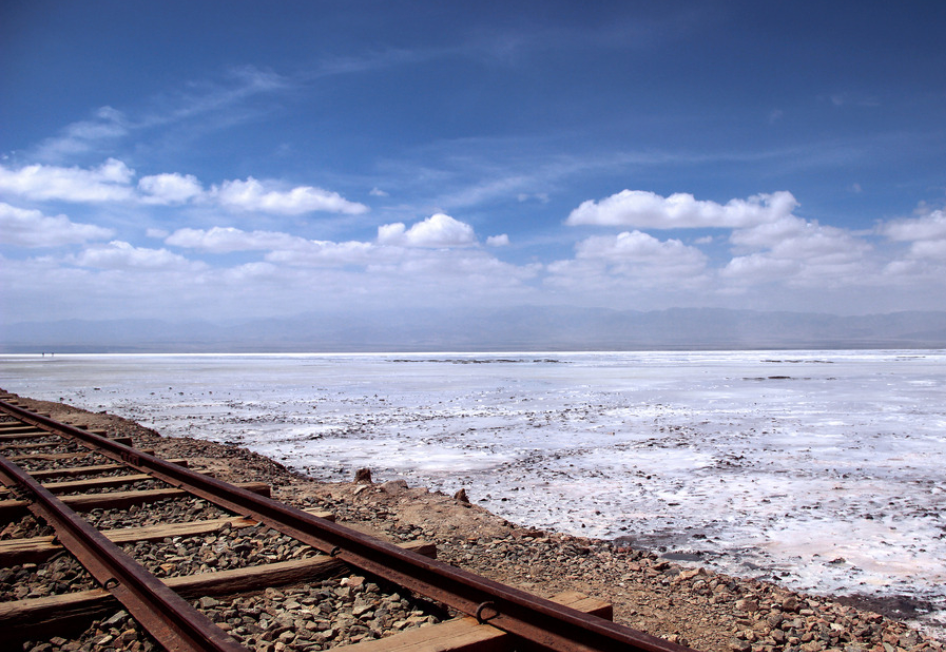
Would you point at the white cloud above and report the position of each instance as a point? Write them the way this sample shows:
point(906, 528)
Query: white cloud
point(928, 227)
point(799, 253)
point(498, 240)
point(113, 181)
point(157, 283)
point(629, 262)
point(631, 252)
point(644, 209)
point(917, 272)
point(118, 255)
point(377, 192)
point(253, 195)
point(927, 234)
point(427, 243)
point(30, 228)
point(283, 247)
point(438, 230)
point(771, 234)
point(322, 253)
point(759, 268)
point(171, 188)
point(108, 182)
point(933, 249)
point(227, 239)
point(445, 269)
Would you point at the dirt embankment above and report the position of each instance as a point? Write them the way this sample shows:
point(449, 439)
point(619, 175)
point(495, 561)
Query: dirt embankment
point(696, 607)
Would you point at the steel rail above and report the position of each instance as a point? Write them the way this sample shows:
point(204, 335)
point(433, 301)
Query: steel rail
point(172, 621)
point(538, 621)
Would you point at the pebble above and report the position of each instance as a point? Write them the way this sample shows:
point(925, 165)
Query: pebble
point(319, 616)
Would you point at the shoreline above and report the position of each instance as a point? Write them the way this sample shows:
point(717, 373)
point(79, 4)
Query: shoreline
point(694, 606)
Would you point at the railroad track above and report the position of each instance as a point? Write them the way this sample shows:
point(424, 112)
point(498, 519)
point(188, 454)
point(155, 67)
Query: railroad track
point(169, 558)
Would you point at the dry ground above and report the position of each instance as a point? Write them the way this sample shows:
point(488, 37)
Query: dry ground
point(692, 606)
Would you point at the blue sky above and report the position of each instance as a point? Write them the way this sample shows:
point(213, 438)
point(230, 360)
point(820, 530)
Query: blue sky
point(218, 160)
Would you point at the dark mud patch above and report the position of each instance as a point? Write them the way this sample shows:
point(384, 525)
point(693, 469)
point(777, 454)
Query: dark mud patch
point(899, 607)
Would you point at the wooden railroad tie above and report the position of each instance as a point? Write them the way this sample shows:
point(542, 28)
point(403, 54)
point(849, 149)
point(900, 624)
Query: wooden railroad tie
point(39, 549)
point(84, 470)
point(24, 432)
point(44, 444)
point(53, 614)
point(93, 483)
point(55, 457)
point(14, 509)
point(468, 634)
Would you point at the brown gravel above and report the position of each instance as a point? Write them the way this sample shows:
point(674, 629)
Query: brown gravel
point(696, 607)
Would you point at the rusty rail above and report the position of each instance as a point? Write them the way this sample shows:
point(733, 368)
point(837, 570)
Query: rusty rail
point(175, 624)
point(538, 621)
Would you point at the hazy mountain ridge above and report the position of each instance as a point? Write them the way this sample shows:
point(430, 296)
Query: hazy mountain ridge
point(525, 328)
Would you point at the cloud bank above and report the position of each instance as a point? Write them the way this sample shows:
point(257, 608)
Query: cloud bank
point(765, 253)
point(646, 210)
point(30, 228)
point(112, 182)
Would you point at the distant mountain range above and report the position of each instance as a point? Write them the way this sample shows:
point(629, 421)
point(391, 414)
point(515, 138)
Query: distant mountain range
point(506, 329)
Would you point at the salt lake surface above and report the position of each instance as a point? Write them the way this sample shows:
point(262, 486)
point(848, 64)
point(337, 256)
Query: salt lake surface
point(821, 470)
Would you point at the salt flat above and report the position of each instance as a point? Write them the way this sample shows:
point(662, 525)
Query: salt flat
point(822, 470)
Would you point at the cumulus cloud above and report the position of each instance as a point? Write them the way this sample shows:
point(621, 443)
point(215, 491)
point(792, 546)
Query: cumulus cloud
point(643, 209)
point(30, 228)
point(113, 181)
point(640, 247)
point(227, 239)
point(927, 234)
point(108, 182)
point(253, 195)
point(498, 240)
point(324, 253)
point(799, 253)
point(397, 247)
point(630, 262)
point(438, 230)
point(760, 268)
point(443, 269)
point(932, 249)
point(771, 234)
point(928, 227)
point(171, 188)
point(118, 255)
point(284, 248)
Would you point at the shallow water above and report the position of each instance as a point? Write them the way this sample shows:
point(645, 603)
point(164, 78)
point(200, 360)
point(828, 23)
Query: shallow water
point(822, 470)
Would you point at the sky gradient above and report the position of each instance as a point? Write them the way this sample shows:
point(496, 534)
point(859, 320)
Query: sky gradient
point(220, 160)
